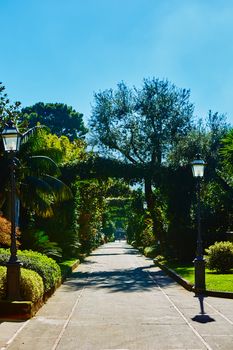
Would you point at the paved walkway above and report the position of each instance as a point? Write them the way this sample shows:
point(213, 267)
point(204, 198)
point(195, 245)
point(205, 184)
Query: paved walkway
point(118, 299)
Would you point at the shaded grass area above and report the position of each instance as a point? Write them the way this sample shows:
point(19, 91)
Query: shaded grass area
point(66, 266)
point(214, 281)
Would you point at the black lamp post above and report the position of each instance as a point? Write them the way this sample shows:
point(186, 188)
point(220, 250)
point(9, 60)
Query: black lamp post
point(11, 141)
point(198, 166)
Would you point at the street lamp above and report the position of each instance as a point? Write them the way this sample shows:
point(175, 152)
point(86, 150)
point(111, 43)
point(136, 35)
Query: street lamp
point(11, 141)
point(198, 166)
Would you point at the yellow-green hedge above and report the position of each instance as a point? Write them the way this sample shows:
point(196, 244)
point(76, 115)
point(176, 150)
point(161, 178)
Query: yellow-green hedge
point(31, 284)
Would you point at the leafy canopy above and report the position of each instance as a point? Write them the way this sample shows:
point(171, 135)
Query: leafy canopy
point(141, 125)
point(58, 117)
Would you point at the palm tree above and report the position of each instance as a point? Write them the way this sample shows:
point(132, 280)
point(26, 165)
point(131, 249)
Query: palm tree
point(38, 186)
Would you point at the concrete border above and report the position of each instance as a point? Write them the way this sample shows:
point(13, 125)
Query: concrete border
point(189, 286)
point(23, 310)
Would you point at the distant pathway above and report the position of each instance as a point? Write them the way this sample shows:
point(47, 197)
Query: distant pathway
point(119, 300)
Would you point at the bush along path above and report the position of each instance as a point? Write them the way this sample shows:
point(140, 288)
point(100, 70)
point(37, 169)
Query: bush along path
point(40, 276)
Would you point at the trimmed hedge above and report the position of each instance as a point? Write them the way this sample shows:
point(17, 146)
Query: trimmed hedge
point(220, 256)
point(46, 267)
point(151, 252)
point(2, 282)
point(31, 285)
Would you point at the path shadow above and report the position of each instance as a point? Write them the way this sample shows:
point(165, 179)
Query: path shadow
point(120, 246)
point(8, 320)
point(105, 254)
point(127, 280)
point(202, 317)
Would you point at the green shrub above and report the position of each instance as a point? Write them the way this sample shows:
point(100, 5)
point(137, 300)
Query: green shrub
point(151, 252)
point(2, 282)
point(161, 259)
point(43, 245)
point(46, 267)
point(147, 237)
point(220, 256)
point(31, 285)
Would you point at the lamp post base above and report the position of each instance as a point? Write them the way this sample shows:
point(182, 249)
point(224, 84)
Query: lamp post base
point(199, 267)
point(13, 281)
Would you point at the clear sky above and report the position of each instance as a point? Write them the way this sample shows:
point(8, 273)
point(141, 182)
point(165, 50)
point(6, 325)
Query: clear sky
point(65, 50)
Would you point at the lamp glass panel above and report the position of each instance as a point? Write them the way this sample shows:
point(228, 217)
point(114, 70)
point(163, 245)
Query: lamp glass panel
point(11, 142)
point(198, 170)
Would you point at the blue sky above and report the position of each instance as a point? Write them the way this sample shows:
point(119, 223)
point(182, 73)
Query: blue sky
point(64, 51)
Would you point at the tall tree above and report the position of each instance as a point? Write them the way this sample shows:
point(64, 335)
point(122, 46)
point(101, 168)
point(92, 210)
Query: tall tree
point(141, 126)
point(205, 138)
point(58, 117)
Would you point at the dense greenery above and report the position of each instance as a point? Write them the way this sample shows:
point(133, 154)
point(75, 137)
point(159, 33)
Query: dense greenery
point(46, 267)
point(138, 181)
point(141, 126)
point(66, 266)
point(61, 119)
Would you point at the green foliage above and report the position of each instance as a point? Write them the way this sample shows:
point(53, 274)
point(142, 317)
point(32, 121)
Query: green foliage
point(101, 168)
point(31, 285)
point(227, 150)
point(62, 227)
point(2, 282)
point(141, 227)
point(110, 238)
point(147, 237)
point(140, 124)
point(204, 137)
point(220, 256)
point(216, 200)
point(226, 153)
point(39, 186)
point(151, 252)
point(44, 245)
point(58, 117)
point(46, 267)
point(91, 208)
point(8, 110)
point(216, 210)
point(115, 209)
point(60, 149)
point(66, 266)
point(136, 222)
point(188, 146)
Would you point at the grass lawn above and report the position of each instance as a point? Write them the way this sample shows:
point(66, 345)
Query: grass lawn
point(66, 265)
point(214, 281)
